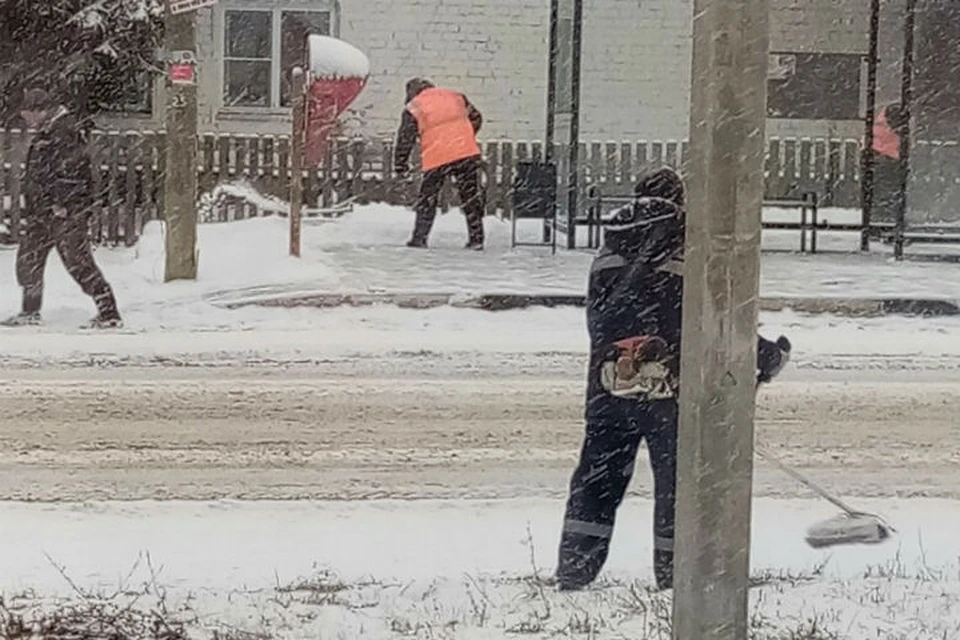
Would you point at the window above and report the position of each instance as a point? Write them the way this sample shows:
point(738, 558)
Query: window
point(121, 91)
point(797, 82)
point(247, 58)
point(261, 47)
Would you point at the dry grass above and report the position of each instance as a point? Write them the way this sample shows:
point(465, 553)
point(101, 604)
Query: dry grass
point(129, 613)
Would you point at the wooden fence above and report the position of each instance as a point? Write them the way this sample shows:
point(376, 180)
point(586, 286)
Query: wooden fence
point(128, 170)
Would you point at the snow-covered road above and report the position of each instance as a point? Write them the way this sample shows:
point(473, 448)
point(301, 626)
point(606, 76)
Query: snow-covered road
point(271, 433)
point(444, 403)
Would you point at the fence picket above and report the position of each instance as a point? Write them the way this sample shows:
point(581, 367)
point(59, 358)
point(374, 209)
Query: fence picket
point(626, 164)
point(130, 220)
point(494, 197)
point(128, 172)
point(148, 196)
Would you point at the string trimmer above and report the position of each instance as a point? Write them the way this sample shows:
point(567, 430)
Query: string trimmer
point(850, 527)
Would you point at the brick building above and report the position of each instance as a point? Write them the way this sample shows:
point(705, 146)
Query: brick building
point(636, 62)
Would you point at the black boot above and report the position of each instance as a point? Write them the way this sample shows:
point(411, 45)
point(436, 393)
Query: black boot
point(663, 569)
point(108, 316)
point(30, 308)
point(581, 559)
point(22, 319)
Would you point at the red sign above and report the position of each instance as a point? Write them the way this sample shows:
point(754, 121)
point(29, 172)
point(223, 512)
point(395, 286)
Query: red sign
point(182, 74)
point(326, 100)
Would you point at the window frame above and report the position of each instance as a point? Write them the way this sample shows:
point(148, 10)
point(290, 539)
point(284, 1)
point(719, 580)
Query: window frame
point(225, 59)
point(330, 7)
point(146, 109)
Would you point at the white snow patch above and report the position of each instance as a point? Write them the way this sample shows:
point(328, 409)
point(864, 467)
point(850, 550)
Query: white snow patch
point(334, 58)
point(382, 568)
point(363, 252)
point(107, 49)
point(266, 204)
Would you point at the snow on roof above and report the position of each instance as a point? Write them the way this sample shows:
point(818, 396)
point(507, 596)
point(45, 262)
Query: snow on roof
point(334, 58)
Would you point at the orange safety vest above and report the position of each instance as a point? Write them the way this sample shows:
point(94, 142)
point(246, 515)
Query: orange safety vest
point(886, 142)
point(446, 134)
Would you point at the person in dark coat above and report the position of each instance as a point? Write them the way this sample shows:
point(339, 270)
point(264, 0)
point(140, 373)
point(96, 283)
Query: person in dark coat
point(634, 321)
point(59, 204)
point(887, 172)
point(446, 123)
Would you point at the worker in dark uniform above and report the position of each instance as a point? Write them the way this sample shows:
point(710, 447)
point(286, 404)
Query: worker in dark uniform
point(59, 203)
point(447, 124)
point(634, 320)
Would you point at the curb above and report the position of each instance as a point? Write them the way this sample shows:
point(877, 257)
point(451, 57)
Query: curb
point(855, 307)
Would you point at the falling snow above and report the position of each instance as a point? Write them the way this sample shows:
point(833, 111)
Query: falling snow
point(378, 440)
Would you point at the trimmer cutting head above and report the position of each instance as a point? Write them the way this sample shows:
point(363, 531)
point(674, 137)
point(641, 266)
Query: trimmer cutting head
point(849, 528)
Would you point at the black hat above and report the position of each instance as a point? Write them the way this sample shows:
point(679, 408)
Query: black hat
point(664, 183)
point(650, 229)
point(416, 86)
point(36, 99)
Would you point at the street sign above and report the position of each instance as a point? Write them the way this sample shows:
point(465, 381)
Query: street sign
point(184, 6)
point(182, 67)
point(182, 74)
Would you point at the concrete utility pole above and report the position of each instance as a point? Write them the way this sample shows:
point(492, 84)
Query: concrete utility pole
point(296, 158)
point(180, 180)
point(720, 304)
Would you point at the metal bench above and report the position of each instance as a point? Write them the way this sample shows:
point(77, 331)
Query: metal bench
point(808, 204)
point(918, 234)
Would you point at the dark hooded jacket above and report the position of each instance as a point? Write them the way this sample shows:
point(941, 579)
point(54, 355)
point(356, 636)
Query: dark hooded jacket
point(634, 299)
point(635, 290)
point(58, 171)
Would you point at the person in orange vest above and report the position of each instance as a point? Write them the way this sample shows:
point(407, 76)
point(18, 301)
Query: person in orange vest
point(446, 123)
point(886, 162)
point(886, 132)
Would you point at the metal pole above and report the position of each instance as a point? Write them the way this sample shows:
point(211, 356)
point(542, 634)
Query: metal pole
point(180, 178)
point(906, 104)
point(552, 80)
point(574, 168)
point(296, 158)
point(548, 230)
point(720, 307)
point(867, 174)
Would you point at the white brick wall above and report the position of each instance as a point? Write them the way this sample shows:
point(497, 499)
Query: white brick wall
point(825, 26)
point(636, 60)
point(635, 56)
point(494, 50)
point(636, 69)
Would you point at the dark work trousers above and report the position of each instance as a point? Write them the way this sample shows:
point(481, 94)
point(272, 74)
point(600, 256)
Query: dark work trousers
point(886, 188)
point(466, 174)
point(600, 482)
point(70, 237)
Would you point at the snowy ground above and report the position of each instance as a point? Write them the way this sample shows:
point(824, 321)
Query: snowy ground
point(467, 570)
point(364, 253)
point(375, 473)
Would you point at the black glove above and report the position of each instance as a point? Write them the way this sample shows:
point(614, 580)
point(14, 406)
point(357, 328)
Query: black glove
point(772, 358)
